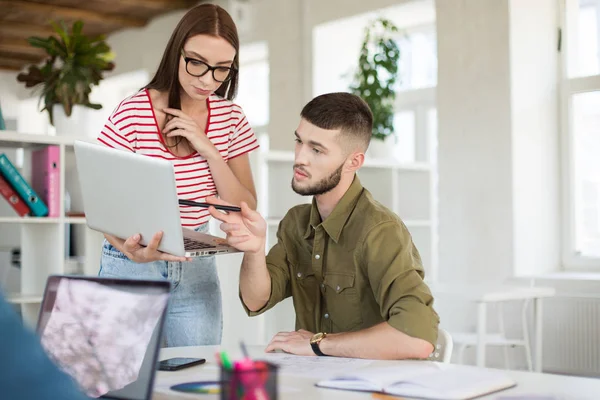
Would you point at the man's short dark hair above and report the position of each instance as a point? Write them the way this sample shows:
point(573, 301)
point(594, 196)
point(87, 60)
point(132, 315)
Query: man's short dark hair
point(344, 111)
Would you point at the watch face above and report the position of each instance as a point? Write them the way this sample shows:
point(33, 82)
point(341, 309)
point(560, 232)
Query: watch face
point(317, 337)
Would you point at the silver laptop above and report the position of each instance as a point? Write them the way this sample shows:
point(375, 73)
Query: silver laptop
point(105, 332)
point(126, 193)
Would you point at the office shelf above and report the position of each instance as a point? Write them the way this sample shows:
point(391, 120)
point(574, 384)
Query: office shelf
point(42, 239)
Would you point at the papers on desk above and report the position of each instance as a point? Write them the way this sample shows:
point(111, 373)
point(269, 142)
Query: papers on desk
point(317, 367)
point(423, 380)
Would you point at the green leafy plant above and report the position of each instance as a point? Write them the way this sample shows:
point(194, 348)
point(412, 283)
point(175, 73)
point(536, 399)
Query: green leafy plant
point(74, 64)
point(377, 74)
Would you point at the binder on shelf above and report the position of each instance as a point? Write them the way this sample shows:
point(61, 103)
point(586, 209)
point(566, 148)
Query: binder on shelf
point(45, 177)
point(26, 192)
point(13, 198)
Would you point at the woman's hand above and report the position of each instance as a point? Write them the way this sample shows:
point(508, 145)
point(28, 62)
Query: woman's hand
point(183, 125)
point(143, 254)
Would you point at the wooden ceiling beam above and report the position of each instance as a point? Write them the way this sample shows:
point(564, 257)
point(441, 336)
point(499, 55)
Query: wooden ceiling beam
point(19, 46)
point(157, 4)
point(23, 29)
point(22, 57)
point(11, 65)
point(60, 12)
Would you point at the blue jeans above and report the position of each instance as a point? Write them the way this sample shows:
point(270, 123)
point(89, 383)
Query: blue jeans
point(195, 315)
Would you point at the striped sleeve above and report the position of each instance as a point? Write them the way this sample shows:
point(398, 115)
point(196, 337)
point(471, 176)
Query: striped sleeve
point(243, 139)
point(112, 136)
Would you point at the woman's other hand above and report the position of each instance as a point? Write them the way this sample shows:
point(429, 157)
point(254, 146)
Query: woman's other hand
point(139, 253)
point(183, 125)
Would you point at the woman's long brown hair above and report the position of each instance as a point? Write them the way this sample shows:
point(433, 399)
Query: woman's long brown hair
point(207, 19)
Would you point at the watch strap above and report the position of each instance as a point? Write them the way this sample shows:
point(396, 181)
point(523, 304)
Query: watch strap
point(317, 350)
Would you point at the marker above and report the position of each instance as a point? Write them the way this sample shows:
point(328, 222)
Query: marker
point(226, 362)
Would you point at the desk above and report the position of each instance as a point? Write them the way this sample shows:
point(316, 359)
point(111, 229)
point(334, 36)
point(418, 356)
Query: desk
point(484, 294)
point(302, 388)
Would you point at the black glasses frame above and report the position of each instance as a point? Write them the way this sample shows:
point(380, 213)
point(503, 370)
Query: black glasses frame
point(210, 68)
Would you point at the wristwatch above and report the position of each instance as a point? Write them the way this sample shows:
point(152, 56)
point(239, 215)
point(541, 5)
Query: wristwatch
point(314, 343)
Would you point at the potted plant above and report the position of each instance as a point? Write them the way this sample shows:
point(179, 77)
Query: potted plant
point(75, 64)
point(374, 82)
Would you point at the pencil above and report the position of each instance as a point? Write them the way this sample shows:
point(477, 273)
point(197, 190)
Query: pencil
point(382, 396)
point(217, 206)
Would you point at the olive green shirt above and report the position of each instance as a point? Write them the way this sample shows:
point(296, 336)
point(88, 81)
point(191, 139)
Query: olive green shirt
point(356, 269)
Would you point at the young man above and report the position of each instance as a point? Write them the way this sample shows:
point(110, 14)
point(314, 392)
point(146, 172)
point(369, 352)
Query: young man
point(348, 262)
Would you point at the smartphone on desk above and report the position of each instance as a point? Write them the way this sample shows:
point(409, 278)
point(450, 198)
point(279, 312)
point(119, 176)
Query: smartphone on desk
point(175, 364)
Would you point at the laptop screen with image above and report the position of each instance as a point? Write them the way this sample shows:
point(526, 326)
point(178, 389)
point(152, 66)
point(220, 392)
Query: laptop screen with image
point(105, 333)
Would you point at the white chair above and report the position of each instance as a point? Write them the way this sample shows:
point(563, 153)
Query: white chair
point(466, 340)
point(443, 347)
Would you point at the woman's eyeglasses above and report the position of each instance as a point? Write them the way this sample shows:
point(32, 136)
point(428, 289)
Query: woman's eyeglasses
point(199, 68)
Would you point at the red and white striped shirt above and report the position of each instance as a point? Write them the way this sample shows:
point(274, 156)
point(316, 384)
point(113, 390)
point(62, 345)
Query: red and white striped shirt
point(132, 126)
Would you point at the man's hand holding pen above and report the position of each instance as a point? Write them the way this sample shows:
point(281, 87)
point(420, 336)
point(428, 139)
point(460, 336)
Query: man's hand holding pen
point(246, 230)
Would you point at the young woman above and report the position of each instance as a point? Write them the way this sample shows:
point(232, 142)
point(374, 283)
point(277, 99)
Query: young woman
point(186, 115)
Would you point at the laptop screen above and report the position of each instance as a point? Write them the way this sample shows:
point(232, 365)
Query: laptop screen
point(105, 333)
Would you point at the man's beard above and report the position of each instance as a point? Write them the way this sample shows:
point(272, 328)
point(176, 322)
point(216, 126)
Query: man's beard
point(323, 186)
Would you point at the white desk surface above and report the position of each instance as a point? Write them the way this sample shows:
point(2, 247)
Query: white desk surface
point(486, 293)
point(555, 387)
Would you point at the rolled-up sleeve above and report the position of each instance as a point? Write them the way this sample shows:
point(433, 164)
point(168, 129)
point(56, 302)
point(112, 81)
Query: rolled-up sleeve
point(278, 268)
point(396, 276)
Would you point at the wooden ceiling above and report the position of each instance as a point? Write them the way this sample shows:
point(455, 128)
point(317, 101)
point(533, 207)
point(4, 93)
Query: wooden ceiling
point(20, 19)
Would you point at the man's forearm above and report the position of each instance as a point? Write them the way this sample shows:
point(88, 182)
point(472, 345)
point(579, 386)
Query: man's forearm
point(380, 342)
point(255, 281)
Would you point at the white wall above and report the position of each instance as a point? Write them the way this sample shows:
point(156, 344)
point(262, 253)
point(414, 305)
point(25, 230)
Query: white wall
point(474, 144)
point(498, 138)
point(142, 48)
point(534, 61)
point(9, 88)
point(22, 104)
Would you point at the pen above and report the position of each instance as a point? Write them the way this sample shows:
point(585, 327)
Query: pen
point(217, 206)
point(244, 350)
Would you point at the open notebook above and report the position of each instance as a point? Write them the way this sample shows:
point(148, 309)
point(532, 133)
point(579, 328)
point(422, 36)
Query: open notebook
point(422, 379)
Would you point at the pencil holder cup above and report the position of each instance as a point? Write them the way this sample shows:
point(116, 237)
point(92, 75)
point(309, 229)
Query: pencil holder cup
point(257, 382)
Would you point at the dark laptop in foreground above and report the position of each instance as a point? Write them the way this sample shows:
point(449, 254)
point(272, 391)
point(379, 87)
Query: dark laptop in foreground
point(105, 333)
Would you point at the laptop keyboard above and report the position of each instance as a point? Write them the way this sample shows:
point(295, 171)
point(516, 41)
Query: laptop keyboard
point(190, 244)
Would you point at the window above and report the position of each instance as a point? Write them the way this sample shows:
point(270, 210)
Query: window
point(336, 47)
point(584, 34)
point(253, 90)
point(581, 128)
point(586, 169)
point(418, 63)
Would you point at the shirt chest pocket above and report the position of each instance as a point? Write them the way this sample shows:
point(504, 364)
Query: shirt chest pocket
point(306, 287)
point(342, 301)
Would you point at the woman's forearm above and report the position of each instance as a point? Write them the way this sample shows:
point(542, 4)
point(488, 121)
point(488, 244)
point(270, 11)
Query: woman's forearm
point(228, 185)
point(117, 244)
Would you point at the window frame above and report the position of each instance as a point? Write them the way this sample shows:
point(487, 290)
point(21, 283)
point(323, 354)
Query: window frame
point(569, 87)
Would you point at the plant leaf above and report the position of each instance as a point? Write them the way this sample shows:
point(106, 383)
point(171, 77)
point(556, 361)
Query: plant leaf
point(377, 74)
